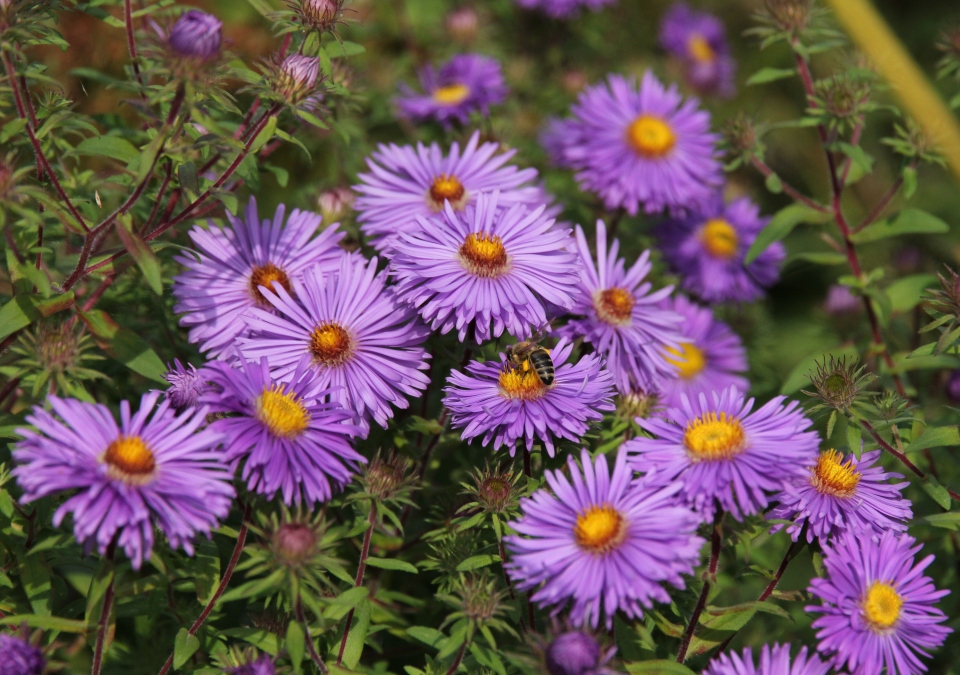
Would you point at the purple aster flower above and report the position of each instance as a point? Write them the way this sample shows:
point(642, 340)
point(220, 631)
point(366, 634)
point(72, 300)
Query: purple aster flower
point(485, 265)
point(698, 40)
point(577, 653)
point(710, 361)
point(841, 301)
point(406, 182)
point(506, 403)
point(646, 148)
point(602, 544)
point(558, 135)
point(219, 288)
point(837, 495)
point(262, 666)
point(774, 660)
point(364, 343)
point(564, 9)
point(621, 315)
point(186, 385)
point(725, 453)
point(196, 35)
point(877, 605)
point(153, 469)
point(286, 433)
point(18, 657)
point(707, 249)
point(464, 84)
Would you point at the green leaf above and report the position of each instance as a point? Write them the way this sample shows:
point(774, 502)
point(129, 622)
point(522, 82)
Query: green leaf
point(97, 590)
point(854, 436)
point(782, 224)
point(935, 437)
point(46, 623)
point(187, 174)
point(184, 646)
point(819, 258)
point(427, 635)
point(124, 345)
point(659, 667)
point(113, 147)
point(949, 520)
point(140, 251)
point(343, 603)
point(265, 135)
point(906, 293)
point(392, 564)
point(12, 128)
point(358, 634)
point(295, 644)
point(148, 157)
point(909, 181)
point(765, 75)
point(21, 311)
point(830, 424)
point(908, 221)
point(774, 184)
point(476, 562)
point(35, 578)
point(344, 48)
point(206, 570)
point(937, 492)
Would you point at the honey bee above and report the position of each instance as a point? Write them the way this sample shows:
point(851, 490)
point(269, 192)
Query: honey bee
point(529, 353)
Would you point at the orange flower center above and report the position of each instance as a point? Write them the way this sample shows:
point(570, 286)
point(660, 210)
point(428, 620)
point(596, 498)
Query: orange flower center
point(522, 382)
point(128, 459)
point(689, 360)
point(600, 529)
point(267, 275)
point(700, 50)
point(650, 136)
point(452, 94)
point(832, 476)
point(712, 437)
point(881, 606)
point(719, 238)
point(330, 344)
point(614, 306)
point(483, 254)
point(447, 188)
point(282, 412)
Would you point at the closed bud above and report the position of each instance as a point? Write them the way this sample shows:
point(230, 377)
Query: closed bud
point(386, 477)
point(638, 405)
point(462, 24)
point(196, 35)
point(838, 385)
point(573, 653)
point(495, 491)
point(741, 136)
point(953, 386)
point(321, 15)
point(335, 203)
point(294, 542)
point(297, 77)
point(789, 16)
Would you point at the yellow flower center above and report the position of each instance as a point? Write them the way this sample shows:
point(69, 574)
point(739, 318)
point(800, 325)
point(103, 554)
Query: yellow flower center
point(712, 437)
point(832, 476)
point(282, 412)
point(614, 306)
point(719, 238)
point(522, 382)
point(447, 188)
point(700, 50)
point(452, 94)
point(689, 360)
point(128, 459)
point(600, 529)
point(330, 344)
point(483, 254)
point(881, 606)
point(650, 136)
point(267, 275)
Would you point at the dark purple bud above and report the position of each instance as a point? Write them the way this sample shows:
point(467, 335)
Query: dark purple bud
point(186, 386)
point(953, 386)
point(196, 35)
point(573, 653)
point(19, 658)
point(262, 666)
point(294, 543)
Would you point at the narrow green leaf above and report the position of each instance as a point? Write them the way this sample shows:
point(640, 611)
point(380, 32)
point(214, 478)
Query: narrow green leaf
point(949, 520)
point(782, 224)
point(184, 646)
point(854, 436)
point(659, 667)
point(358, 634)
point(12, 128)
point(936, 491)
point(124, 345)
point(774, 184)
point(187, 174)
point(206, 570)
point(141, 253)
point(476, 562)
point(21, 311)
point(909, 182)
point(935, 437)
point(765, 75)
point(295, 644)
point(427, 635)
point(46, 623)
point(99, 583)
point(35, 578)
point(264, 136)
point(830, 423)
point(148, 157)
point(908, 221)
point(345, 48)
point(113, 147)
point(906, 293)
point(392, 564)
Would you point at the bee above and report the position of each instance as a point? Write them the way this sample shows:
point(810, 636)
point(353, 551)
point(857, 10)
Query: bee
point(528, 354)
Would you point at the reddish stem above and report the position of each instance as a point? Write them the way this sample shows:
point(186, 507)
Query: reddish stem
point(457, 661)
point(716, 539)
point(361, 568)
point(901, 456)
point(791, 191)
point(132, 45)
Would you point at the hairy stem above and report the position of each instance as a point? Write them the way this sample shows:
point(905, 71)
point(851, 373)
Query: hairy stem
point(456, 661)
point(901, 456)
point(361, 568)
point(302, 618)
point(104, 620)
point(716, 539)
point(132, 45)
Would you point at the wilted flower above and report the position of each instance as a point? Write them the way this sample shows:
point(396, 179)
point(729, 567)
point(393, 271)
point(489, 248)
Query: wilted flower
point(791, 17)
point(878, 607)
point(196, 35)
point(18, 657)
point(638, 404)
point(465, 84)
point(54, 356)
point(186, 385)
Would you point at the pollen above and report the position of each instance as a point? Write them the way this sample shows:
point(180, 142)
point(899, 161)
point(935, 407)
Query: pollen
point(831, 476)
point(128, 459)
point(330, 344)
point(600, 529)
point(712, 437)
point(282, 412)
point(614, 306)
point(700, 50)
point(881, 606)
point(689, 360)
point(267, 276)
point(483, 254)
point(522, 383)
point(447, 187)
point(650, 136)
point(452, 94)
point(719, 238)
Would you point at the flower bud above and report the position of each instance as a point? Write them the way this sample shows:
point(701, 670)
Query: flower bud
point(838, 385)
point(462, 24)
point(334, 204)
point(298, 75)
point(573, 653)
point(196, 35)
point(383, 477)
point(321, 15)
point(294, 542)
point(186, 386)
point(841, 301)
point(789, 16)
point(638, 404)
